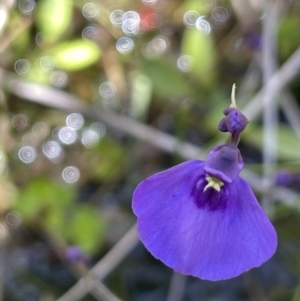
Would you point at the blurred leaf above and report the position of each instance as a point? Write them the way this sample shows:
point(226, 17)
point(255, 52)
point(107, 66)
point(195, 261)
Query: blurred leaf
point(202, 7)
point(53, 18)
point(86, 228)
point(20, 43)
point(43, 194)
point(287, 146)
point(110, 160)
point(75, 55)
point(7, 196)
point(56, 218)
point(201, 48)
point(141, 91)
point(167, 80)
point(288, 37)
point(38, 75)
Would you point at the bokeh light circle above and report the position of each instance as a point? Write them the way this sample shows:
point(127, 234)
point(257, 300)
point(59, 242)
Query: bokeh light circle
point(71, 174)
point(203, 25)
point(90, 33)
point(124, 45)
point(185, 63)
point(22, 66)
point(75, 121)
point(40, 129)
point(52, 149)
point(152, 21)
point(220, 14)
point(89, 138)
point(116, 17)
point(27, 154)
point(190, 18)
point(67, 135)
point(47, 63)
point(156, 47)
point(26, 6)
point(38, 38)
point(99, 128)
point(131, 22)
point(13, 219)
point(107, 89)
point(90, 11)
point(59, 78)
point(20, 121)
point(130, 27)
point(159, 44)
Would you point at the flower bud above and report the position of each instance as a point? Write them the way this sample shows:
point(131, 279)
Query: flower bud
point(234, 121)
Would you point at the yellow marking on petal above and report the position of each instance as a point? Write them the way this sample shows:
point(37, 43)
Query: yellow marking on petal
point(214, 183)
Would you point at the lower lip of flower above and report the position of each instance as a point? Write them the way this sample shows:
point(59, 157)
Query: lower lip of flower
point(199, 227)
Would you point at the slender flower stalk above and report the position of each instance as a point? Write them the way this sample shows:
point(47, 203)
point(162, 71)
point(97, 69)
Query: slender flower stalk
point(200, 218)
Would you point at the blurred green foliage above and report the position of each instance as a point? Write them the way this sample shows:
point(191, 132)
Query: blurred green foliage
point(109, 161)
point(52, 204)
point(85, 227)
point(167, 80)
point(288, 37)
point(201, 48)
point(75, 55)
point(42, 195)
point(53, 19)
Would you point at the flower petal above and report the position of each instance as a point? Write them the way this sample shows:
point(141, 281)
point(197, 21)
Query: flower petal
point(212, 245)
point(224, 162)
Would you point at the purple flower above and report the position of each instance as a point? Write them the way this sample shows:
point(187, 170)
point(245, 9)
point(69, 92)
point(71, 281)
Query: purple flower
point(201, 219)
point(75, 253)
point(288, 179)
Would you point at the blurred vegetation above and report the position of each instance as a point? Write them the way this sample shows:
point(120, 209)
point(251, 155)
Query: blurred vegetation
point(66, 179)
